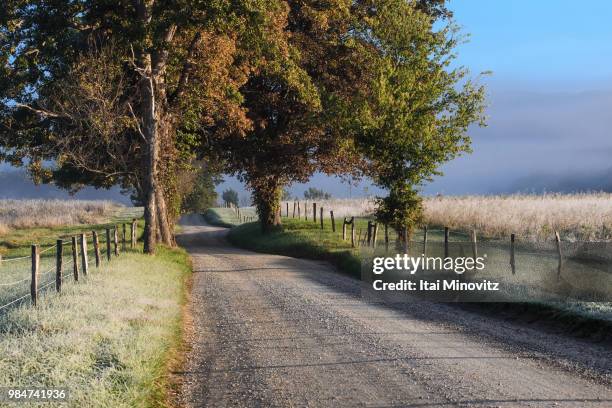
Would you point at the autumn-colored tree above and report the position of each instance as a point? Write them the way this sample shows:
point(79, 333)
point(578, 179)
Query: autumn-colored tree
point(310, 105)
point(292, 101)
point(155, 44)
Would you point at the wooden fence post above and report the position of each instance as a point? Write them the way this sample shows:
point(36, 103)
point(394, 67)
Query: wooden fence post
point(96, 245)
point(446, 233)
point(287, 203)
point(558, 241)
point(386, 237)
point(321, 216)
point(314, 212)
point(353, 232)
point(344, 223)
point(108, 244)
point(425, 240)
point(375, 235)
point(333, 220)
point(75, 260)
point(368, 236)
point(299, 210)
point(124, 237)
point(306, 210)
point(35, 266)
point(133, 242)
point(59, 260)
point(85, 264)
point(512, 263)
point(116, 240)
point(293, 214)
point(474, 245)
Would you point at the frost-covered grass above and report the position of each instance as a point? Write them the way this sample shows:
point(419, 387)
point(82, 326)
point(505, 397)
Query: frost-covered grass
point(108, 338)
point(15, 214)
point(228, 217)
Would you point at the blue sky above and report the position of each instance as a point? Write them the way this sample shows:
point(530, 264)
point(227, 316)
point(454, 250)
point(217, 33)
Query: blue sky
point(557, 42)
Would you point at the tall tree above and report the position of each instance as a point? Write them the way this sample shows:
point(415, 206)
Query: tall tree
point(417, 111)
point(230, 197)
point(45, 45)
point(292, 101)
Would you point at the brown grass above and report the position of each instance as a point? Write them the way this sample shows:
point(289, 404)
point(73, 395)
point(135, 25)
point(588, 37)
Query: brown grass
point(52, 213)
point(533, 217)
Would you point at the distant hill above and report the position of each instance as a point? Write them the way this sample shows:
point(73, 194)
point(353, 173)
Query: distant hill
point(16, 184)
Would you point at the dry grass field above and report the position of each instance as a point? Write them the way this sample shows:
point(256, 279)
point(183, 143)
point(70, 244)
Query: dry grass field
point(16, 214)
point(585, 217)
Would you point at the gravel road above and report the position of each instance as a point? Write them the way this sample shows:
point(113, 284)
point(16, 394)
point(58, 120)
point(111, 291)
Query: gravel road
point(267, 330)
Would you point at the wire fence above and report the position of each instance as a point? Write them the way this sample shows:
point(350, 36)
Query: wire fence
point(70, 259)
point(558, 269)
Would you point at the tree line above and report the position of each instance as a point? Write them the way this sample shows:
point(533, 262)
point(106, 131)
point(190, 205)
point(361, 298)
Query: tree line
point(137, 93)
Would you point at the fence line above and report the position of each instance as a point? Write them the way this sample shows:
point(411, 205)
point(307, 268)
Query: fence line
point(15, 301)
point(369, 238)
point(80, 250)
point(14, 283)
point(48, 249)
point(14, 259)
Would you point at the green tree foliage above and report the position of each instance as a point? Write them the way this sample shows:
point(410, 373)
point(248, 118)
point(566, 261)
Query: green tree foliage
point(131, 92)
point(117, 122)
point(417, 110)
point(230, 196)
point(202, 194)
point(316, 194)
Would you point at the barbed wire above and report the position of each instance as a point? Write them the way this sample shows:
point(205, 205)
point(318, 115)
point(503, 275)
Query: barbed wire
point(47, 249)
point(15, 259)
point(15, 282)
point(14, 301)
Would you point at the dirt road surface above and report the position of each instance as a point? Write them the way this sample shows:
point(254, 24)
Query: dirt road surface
point(275, 331)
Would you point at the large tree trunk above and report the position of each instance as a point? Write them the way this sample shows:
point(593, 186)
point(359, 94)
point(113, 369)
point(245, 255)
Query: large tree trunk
point(155, 126)
point(149, 130)
point(267, 194)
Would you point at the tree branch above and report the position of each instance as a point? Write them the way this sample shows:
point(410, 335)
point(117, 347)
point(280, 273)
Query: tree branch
point(42, 112)
point(140, 132)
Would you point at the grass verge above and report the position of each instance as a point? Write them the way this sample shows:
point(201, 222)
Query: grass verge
point(300, 239)
point(227, 217)
point(109, 338)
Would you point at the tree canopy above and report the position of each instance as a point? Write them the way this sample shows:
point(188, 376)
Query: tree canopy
point(130, 93)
